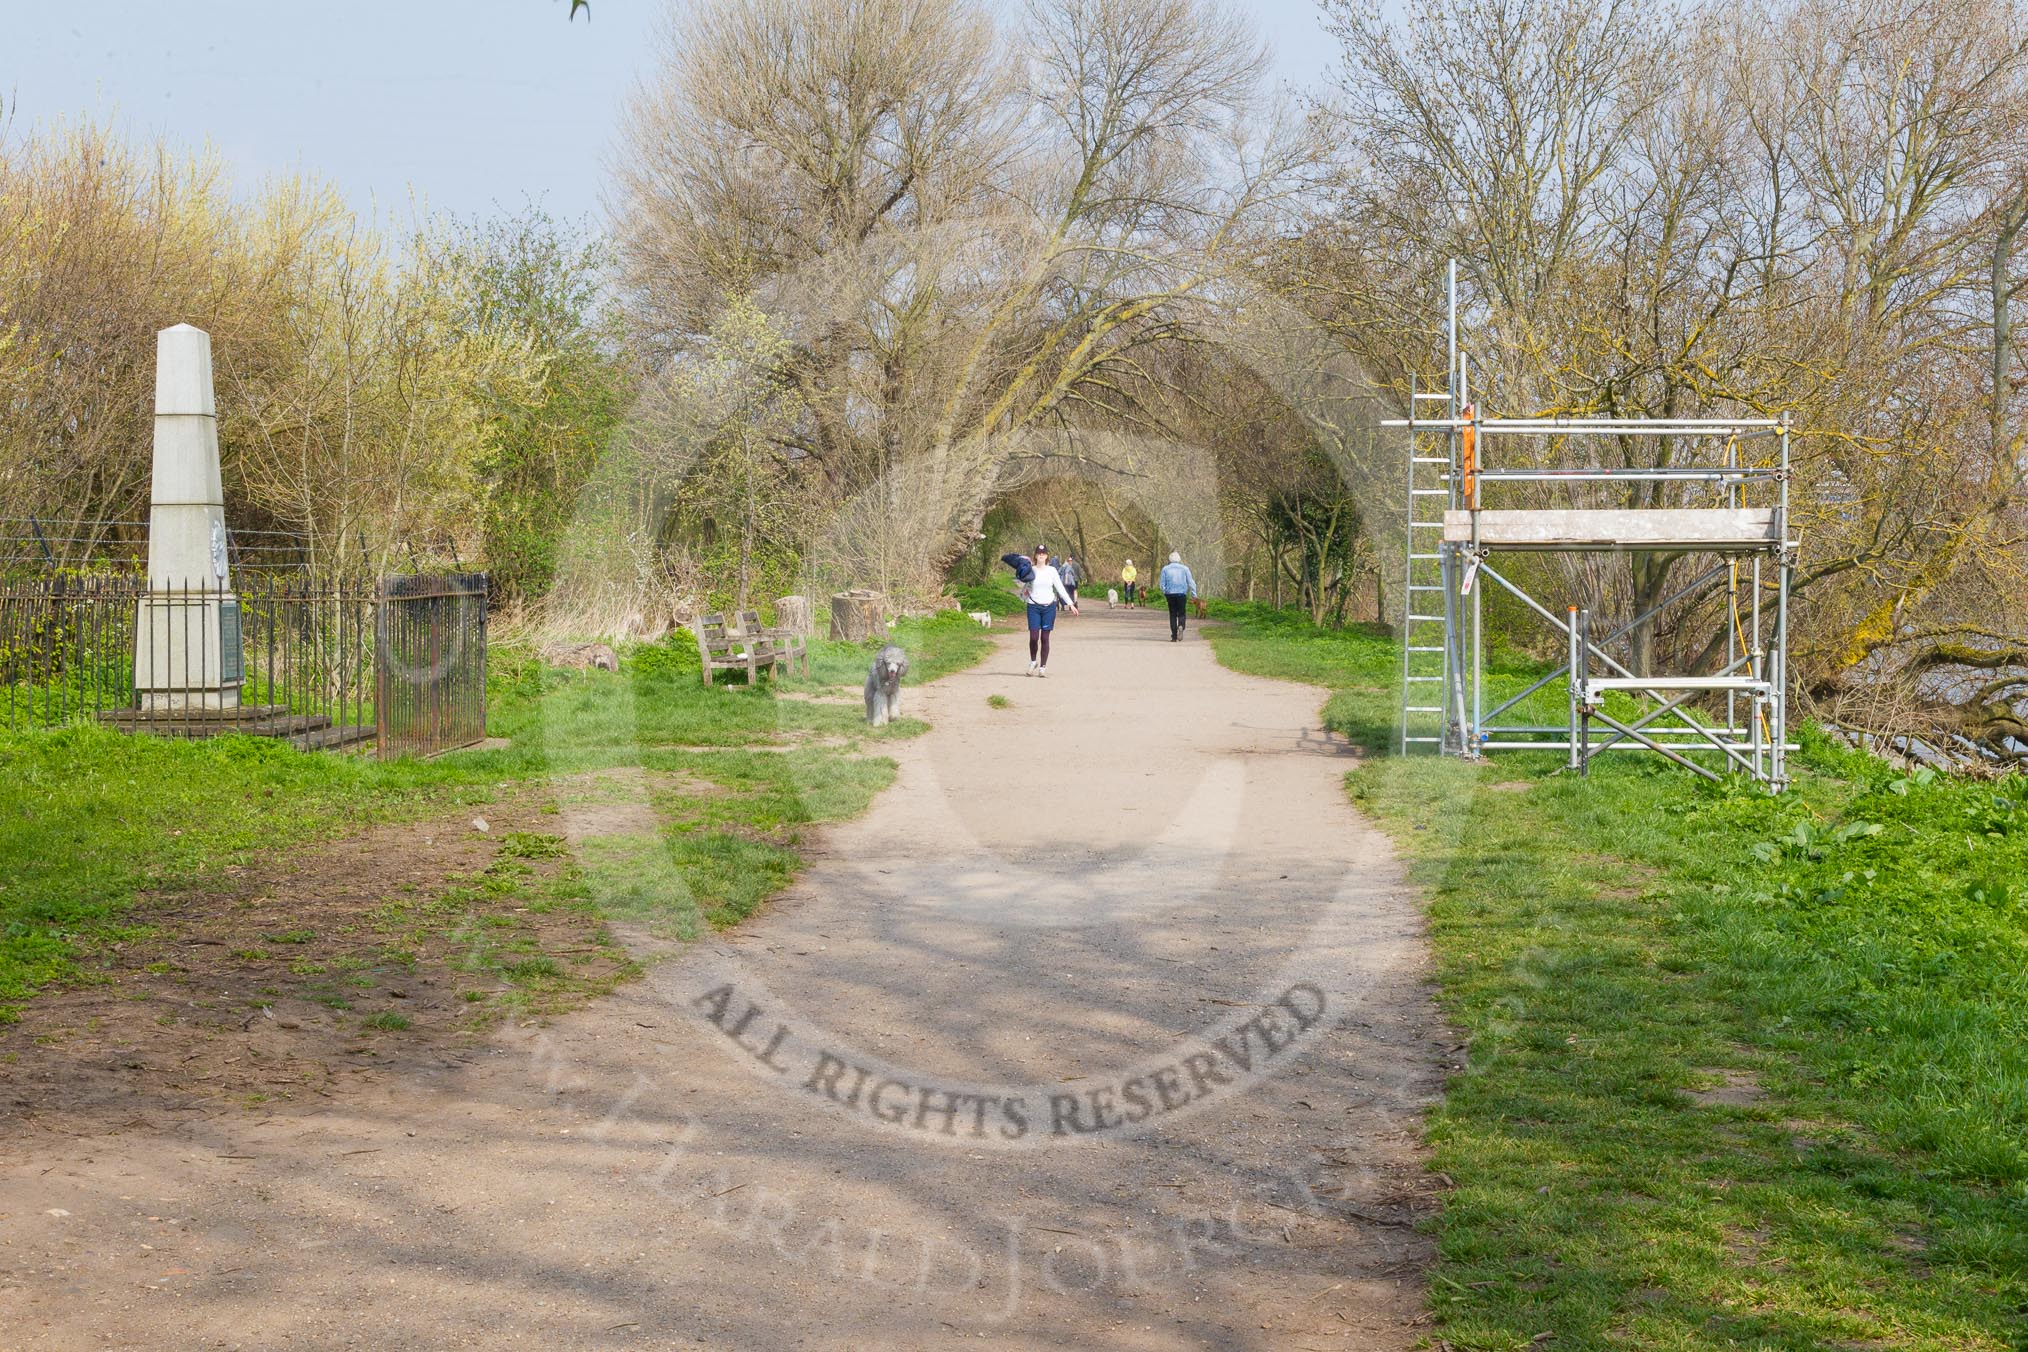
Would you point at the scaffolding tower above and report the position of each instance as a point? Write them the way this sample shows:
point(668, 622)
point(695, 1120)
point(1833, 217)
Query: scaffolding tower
point(1458, 528)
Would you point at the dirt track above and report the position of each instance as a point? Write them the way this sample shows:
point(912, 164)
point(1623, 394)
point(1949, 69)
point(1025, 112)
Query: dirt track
point(1105, 1027)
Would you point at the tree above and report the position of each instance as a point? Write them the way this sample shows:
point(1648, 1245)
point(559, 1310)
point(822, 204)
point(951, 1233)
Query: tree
point(738, 403)
point(529, 280)
point(366, 421)
point(960, 247)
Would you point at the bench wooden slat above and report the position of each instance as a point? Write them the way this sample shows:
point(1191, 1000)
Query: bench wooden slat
point(720, 648)
point(792, 647)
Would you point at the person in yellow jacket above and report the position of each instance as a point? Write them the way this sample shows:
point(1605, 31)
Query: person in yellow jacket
point(1128, 577)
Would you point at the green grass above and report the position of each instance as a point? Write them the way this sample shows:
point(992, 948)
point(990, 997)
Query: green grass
point(997, 597)
point(90, 819)
point(937, 645)
point(1856, 952)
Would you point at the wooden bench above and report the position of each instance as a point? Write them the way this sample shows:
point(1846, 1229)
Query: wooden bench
point(722, 649)
point(793, 646)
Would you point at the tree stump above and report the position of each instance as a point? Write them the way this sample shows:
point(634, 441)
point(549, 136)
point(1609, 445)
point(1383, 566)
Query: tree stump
point(858, 615)
point(793, 614)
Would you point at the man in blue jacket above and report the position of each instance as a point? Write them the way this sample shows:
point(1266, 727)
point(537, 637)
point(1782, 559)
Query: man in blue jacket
point(1178, 586)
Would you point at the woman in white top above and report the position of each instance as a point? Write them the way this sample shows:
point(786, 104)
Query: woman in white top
point(1045, 593)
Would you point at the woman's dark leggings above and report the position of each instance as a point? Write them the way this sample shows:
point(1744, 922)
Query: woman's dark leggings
point(1041, 635)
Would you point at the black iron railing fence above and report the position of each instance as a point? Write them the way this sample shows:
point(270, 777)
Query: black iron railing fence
point(324, 662)
point(31, 545)
point(66, 647)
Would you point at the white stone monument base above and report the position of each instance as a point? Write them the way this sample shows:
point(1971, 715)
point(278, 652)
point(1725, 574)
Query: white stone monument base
point(179, 661)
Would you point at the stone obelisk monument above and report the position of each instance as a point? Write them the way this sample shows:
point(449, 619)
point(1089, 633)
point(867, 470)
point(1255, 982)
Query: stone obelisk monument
point(187, 647)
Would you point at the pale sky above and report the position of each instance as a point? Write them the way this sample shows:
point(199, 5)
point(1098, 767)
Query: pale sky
point(476, 104)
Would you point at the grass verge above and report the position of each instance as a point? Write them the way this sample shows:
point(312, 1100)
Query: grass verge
point(1742, 1071)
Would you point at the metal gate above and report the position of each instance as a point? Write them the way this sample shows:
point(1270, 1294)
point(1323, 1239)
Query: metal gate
point(430, 662)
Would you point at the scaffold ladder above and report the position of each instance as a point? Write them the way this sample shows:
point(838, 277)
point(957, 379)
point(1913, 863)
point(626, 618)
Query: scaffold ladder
point(1427, 673)
point(1432, 688)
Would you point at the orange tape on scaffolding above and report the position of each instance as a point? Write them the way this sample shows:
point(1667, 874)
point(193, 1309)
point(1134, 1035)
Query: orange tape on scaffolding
point(1468, 458)
point(1740, 630)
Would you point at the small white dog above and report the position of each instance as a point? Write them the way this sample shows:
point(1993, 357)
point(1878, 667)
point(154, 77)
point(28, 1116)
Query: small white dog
point(982, 618)
point(1112, 597)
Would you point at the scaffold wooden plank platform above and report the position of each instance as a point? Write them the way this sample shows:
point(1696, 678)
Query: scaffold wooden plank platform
point(1715, 529)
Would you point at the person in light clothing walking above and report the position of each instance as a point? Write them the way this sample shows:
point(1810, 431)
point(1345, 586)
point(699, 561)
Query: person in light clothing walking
point(1129, 575)
point(1045, 592)
point(1178, 586)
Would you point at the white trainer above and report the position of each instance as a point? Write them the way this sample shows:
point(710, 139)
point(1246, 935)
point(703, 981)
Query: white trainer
point(1031, 666)
point(1042, 671)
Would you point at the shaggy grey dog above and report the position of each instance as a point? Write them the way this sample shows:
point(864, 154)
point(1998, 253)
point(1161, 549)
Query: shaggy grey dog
point(883, 685)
